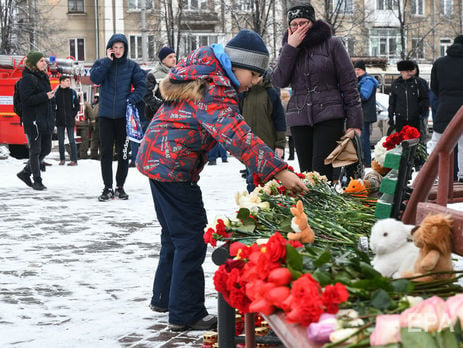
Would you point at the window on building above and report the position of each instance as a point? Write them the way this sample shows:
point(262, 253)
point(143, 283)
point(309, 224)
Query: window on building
point(342, 6)
point(194, 5)
point(191, 41)
point(418, 48)
point(418, 7)
point(136, 4)
point(244, 5)
point(446, 7)
point(444, 44)
point(386, 4)
point(136, 46)
point(349, 45)
point(75, 5)
point(384, 42)
point(77, 49)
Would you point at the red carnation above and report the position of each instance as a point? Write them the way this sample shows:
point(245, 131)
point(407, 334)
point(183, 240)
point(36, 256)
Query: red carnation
point(333, 295)
point(208, 238)
point(276, 248)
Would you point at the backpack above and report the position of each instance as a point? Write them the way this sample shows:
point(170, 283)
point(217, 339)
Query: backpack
point(17, 105)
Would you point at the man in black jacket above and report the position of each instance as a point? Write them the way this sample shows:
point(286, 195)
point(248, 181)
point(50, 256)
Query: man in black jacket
point(153, 98)
point(37, 116)
point(408, 100)
point(67, 106)
point(446, 84)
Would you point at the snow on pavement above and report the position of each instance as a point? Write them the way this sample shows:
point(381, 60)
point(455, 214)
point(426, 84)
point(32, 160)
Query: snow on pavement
point(76, 272)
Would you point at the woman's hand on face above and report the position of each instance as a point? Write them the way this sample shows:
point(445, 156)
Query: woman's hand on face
point(295, 38)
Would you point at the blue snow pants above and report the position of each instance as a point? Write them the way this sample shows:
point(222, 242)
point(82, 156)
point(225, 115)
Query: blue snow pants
point(179, 278)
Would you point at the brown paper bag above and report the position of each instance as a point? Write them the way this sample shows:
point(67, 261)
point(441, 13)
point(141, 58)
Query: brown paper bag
point(344, 154)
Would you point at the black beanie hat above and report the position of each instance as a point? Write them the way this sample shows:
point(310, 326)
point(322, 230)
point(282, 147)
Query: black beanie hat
point(360, 64)
point(458, 39)
point(406, 65)
point(302, 11)
point(247, 50)
point(164, 52)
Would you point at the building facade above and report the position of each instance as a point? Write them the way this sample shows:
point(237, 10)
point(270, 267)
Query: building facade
point(392, 29)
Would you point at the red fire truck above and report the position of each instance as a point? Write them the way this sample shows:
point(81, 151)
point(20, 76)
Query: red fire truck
point(11, 68)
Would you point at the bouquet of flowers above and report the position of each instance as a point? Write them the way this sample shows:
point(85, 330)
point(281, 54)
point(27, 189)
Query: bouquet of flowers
point(267, 210)
point(269, 277)
point(392, 142)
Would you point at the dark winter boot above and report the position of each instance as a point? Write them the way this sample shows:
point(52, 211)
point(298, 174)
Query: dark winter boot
point(24, 176)
point(107, 194)
point(37, 185)
point(120, 193)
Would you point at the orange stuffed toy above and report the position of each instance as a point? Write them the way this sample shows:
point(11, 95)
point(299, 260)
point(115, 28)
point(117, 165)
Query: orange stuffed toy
point(434, 239)
point(303, 232)
point(357, 188)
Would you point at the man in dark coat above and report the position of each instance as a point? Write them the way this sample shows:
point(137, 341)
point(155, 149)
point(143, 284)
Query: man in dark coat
point(446, 84)
point(37, 116)
point(116, 74)
point(408, 100)
point(67, 107)
point(153, 98)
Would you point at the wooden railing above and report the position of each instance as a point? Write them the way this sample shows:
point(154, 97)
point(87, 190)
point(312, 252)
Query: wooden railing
point(439, 164)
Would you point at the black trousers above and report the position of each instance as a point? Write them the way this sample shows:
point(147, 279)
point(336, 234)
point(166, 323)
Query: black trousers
point(314, 143)
point(112, 132)
point(39, 148)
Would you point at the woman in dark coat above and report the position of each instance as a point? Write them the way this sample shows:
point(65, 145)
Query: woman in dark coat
point(325, 97)
point(37, 116)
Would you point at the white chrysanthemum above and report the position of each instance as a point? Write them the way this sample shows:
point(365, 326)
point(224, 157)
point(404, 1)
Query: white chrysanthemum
point(272, 184)
point(250, 201)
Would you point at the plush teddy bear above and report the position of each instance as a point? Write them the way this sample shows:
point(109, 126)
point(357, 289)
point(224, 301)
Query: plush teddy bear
point(434, 239)
point(393, 245)
point(303, 232)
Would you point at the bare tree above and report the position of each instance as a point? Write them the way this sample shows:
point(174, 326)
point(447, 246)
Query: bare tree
point(253, 14)
point(6, 26)
point(23, 27)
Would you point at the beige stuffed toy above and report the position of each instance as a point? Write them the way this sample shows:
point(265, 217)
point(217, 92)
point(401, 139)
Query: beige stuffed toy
point(303, 232)
point(434, 239)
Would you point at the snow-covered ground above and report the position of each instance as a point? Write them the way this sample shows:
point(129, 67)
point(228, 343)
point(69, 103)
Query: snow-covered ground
point(76, 272)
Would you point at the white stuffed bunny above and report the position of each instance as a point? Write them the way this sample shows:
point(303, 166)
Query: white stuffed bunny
point(393, 245)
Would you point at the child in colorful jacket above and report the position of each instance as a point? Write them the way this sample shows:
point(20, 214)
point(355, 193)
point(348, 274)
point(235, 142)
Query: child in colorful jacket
point(200, 110)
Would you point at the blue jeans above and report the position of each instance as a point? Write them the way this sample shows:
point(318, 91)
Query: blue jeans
point(217, 151)
point(72, 142)
point(365, 140)
point(179, 278)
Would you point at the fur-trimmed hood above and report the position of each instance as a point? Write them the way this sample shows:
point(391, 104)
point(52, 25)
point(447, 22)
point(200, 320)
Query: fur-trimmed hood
point(320, 31)
point(189, 90)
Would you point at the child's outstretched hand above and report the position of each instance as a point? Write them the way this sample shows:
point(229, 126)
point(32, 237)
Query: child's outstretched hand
point(291, 181)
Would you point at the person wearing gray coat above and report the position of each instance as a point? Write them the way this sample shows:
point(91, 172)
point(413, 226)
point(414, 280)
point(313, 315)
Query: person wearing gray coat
point(325, 98)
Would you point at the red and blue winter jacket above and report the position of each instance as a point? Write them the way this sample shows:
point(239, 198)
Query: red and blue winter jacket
point(200, 109)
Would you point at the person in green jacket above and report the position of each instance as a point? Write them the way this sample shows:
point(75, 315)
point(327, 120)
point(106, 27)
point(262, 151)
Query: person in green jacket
point(262, 110)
